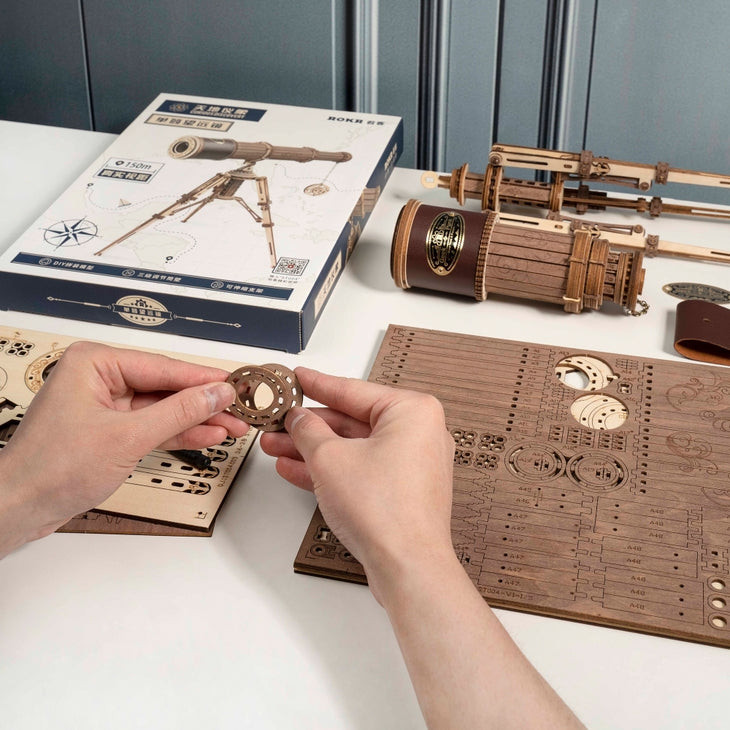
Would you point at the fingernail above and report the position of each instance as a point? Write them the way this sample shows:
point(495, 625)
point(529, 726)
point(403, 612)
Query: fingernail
point(220, 396)
point(295, 415)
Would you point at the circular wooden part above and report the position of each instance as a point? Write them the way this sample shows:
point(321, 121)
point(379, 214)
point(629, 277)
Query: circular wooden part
point(429, 179)
point(599, 412)
point(40, 368)
point(490, 192)
point(401, 238)
point(458, 183)
point(264, 395)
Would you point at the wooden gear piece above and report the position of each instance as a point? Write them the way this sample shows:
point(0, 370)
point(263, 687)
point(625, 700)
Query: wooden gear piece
point(472, 254)
point(264, 395)
point(588, 485)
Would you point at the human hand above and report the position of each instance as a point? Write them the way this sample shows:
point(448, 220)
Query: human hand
point(380, 463)
point(99, 412)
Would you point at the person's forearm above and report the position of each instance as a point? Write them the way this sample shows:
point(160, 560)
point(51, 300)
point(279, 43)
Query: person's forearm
point(15, 512)
point(466, 670)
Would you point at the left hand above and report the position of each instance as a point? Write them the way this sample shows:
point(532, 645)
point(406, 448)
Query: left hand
point(99, 412)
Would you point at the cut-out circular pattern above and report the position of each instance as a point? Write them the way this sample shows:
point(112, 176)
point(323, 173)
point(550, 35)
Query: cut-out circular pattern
point(536, 462)
point(583, 372)
point(596, 472)
point(600, 412)
point(39, 369)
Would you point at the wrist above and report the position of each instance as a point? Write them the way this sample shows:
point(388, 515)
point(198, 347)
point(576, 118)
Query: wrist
point(22, 518)
point(13, 514)
point(402, 576)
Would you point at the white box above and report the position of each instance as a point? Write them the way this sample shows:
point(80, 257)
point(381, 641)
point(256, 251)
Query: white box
point(213, 218)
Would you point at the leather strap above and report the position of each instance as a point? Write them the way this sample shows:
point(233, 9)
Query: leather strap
point(702, 331)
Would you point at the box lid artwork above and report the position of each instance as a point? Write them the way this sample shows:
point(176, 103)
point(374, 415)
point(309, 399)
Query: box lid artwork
point(213, 218)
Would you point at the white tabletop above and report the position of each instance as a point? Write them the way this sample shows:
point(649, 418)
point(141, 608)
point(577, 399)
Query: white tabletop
point(132, 632)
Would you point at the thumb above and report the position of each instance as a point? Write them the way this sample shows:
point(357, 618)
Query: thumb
point(307, 430)
point(180, 411)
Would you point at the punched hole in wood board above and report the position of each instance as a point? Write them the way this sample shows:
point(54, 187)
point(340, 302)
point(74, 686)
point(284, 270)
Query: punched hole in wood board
point(584, 372)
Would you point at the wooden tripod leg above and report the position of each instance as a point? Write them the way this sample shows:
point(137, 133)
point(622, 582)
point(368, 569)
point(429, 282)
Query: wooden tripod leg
point(264, 202)
point(183, 202)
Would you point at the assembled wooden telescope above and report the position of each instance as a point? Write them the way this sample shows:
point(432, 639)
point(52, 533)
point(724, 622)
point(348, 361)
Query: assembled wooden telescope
point(473, 254)
point(492, 188)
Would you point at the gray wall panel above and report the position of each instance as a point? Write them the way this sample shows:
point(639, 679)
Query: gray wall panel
point(274, 51)
point(398, 25)
point(523, 40)
point(42, 77)
point(660, 87)
point(650, 84)
point(574, 87)
point(471, 82)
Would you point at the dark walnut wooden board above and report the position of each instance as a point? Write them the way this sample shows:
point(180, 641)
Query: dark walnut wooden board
point(591, 486)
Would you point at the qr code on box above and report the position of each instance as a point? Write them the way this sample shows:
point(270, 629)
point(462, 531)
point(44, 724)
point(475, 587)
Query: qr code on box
point(290, 267)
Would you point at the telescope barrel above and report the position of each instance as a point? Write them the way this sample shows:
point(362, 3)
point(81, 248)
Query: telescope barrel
point(208, 148)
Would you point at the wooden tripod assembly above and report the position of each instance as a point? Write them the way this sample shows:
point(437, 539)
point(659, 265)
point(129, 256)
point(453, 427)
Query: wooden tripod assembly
point(225, 185)
point(222, 186)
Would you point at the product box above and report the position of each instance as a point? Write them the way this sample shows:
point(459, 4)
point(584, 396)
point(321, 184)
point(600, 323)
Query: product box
point(212, 218)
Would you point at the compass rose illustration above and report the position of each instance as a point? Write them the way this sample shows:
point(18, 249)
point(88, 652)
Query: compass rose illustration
point(70, 232)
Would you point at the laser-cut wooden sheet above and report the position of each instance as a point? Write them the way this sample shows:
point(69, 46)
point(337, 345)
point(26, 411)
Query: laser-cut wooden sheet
point(163, 495)
point(587, 485)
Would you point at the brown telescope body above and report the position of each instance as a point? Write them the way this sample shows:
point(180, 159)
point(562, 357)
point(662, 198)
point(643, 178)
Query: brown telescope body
point(207, 148)
point(473, 253)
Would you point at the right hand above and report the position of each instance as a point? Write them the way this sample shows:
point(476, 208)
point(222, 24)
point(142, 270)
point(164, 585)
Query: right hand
point(380, 462)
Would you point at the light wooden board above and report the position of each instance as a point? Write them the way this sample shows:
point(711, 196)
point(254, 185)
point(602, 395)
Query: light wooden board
point(587, 485)
point(163, 495)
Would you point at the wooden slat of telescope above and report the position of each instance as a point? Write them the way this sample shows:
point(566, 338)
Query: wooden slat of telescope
point(625, 527)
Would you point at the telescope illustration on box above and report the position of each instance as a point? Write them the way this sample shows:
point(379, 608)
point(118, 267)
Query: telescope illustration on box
point(225, 185)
